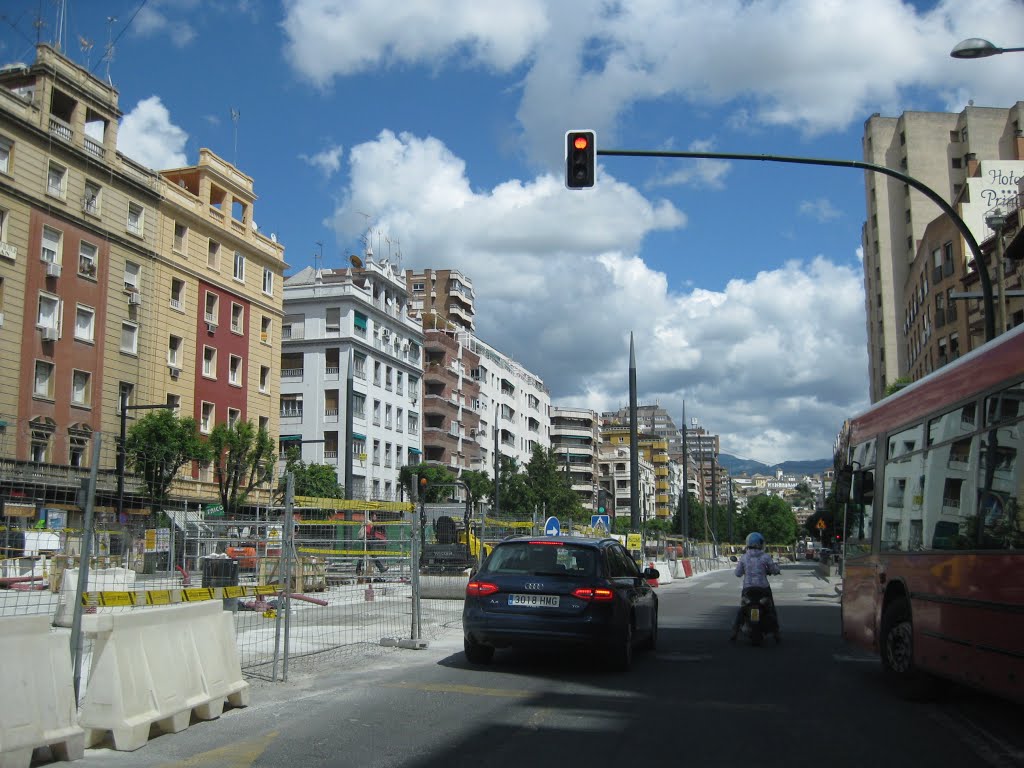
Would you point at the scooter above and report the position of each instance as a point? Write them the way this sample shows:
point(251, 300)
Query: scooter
point(758, 614)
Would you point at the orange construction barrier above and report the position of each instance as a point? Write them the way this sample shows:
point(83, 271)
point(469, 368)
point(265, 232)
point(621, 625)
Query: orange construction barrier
point(687, 568)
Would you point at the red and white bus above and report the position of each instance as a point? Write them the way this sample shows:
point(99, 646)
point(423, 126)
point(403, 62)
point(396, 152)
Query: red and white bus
point(934, 532)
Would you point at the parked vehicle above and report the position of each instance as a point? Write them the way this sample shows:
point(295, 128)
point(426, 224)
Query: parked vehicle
point(560, 592)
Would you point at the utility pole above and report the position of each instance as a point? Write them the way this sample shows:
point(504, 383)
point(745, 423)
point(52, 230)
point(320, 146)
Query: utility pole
point(685, 514)
point(634, 447)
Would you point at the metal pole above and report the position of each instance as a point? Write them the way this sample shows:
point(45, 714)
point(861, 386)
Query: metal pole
point(1001, 278)
point(121, 457)
point(83, 564)
point(497, 463)
point(685, 515)
point(414, 555)
point(634, 447)
point(349, 403)
point(931, 194)
point(288, 542)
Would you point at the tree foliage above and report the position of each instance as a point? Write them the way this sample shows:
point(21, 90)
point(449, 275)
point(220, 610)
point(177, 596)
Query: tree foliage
point(243, 459)
point(439, 481)
point(158, 445)
point(479, 483)
point(550, 487)
point(770, 515)
point(316, 480)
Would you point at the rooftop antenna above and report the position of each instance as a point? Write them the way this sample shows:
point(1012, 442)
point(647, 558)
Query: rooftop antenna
point(38, 23)
point(235, 114)
point(86, 45)
point(108, 52)
point(58, 42)
point(318, 257)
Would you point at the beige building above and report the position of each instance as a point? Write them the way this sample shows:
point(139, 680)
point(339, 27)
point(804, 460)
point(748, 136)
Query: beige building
point(444, 297)
point(118, 282)
point(937, 149)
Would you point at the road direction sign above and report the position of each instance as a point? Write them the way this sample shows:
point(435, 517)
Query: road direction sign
point(552, 527)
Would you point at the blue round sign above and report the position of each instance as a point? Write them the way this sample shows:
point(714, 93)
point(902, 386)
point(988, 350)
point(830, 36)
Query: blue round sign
point(552, 527)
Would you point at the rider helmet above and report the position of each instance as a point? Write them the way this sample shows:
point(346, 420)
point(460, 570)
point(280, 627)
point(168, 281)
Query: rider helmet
point(755, 541)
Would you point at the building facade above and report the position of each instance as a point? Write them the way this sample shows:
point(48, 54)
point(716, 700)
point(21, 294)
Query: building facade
point(937, 149)
point(575, 439)
point(443, 297)
point(353, 325)
point(614, 477)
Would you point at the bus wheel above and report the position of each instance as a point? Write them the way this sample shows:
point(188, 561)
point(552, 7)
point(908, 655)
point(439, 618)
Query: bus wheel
point(897, 651)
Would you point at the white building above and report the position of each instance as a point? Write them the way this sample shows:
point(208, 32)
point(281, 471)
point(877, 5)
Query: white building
point(575, 437)
point(358, 318)
point(613, 476)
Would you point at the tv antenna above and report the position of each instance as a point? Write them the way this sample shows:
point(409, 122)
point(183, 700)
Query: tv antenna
point(108, 51)
point(86, 45)
point(235, 114)
point(318, 257)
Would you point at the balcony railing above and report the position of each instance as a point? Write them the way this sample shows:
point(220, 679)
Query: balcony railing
point(93, 147)
point(60, 129)
point(291, 373)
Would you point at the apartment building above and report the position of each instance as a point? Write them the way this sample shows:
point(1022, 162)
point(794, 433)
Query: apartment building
point(357, 325)
point(443, 297)
point(575, 439)
point(614, 477)
point(652, 420)
point(938, 149)
point(452, 405)
point(108, 290)
point(653, 449)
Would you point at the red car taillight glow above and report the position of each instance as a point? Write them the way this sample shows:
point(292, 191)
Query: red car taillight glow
point(480, 589)
point(598, 594)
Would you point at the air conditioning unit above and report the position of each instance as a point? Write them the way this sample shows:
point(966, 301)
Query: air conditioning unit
point(174, 370)
point(52, 269)
point(135, 299)
point(386, 333)
point(211, 327)
point(49, 334)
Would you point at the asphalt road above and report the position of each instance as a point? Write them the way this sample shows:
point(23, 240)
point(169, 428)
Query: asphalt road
point(698, 701)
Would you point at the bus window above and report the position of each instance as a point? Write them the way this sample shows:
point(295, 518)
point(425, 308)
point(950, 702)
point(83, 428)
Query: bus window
point(1000, 474)
point(903, 498)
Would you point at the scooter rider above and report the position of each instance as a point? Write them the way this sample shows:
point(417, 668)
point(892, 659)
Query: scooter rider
point(755, 565)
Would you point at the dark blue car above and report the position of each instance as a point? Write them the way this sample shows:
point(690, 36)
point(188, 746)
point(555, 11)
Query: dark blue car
point(548, 592)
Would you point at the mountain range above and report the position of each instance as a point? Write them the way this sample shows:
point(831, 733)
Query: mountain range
point(738, 466)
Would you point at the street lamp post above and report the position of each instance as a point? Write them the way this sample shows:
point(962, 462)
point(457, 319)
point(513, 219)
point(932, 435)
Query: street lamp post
point(978, 48)
point(996, 220)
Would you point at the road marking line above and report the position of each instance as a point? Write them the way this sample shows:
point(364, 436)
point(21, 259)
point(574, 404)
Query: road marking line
point(715, 585)
point(238, 754)
point(471, 690)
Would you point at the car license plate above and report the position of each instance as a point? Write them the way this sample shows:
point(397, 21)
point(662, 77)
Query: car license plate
point(534, 601)
point(755, 615)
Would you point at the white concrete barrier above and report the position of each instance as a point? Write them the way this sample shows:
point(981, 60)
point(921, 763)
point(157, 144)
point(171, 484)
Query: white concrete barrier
point(37, 697)
point(664, 571)
point(100, 579)
point(156, 666)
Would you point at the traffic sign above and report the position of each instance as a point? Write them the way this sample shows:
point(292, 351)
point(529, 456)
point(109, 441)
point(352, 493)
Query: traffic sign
point(601, 521)
point(552, 527)
point(821, 525)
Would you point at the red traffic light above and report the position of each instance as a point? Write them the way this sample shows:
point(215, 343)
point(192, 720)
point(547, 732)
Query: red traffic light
point(580, 159)
point(580, 142)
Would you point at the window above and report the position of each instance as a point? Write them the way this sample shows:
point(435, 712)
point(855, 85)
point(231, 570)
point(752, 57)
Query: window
point(174, 346)
point(399, 420)
point(387, 416)
point(359, 323)
point(50, 251)
point(81, 390)
point(174, 402)
point(268, 282)
point(333, 320)
point(87, 259)
point(359, 366)
point(206, 417)
point(239, 270)
point(387, 377)
point(213, 255)
point(7, 250)
point(418, 287)
point(209, 362)
point(376, 412)
point(42, 434)
point(125, 395)
point(136, 219)
point(91, 198)
point(237, 317)
point(358, 406)
point(235, 370)
point(376, 452)
point(264, 378)
point(414, 423)
point(212, 302)
point(129, 338)
point(48, 315)
point(5, 154)
point(177, 294)
point(265, 325)
point(291, 405)
point(131, 276)
point(955, 162)
point(233, 416)
point(180, 237)
point(56, 180)
point(359, 449)
point(85, 323)
point(78, 445)
point(43, 381)
point(376, 374)
point(398, 383)
point(387, 454)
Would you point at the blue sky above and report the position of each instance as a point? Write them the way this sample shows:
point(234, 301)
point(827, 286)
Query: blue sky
point(435, 128)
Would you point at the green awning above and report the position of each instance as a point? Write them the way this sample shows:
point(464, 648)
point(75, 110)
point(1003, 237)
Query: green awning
point(357, 436)
point(289, 438)
point(415, 450)
point(360, 321)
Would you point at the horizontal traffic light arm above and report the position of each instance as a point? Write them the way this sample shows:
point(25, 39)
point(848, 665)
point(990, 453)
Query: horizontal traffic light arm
point(931, 194)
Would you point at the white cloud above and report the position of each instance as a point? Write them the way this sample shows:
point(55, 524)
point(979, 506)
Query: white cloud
point(821, 209)
point(703, 173)
point(148, 136)
point(803, 63)
point(151, 21)
point(332, 38)
point(773, 363)
point(328, 161)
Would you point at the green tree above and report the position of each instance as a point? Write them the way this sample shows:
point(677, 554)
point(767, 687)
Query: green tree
point(897, 385)
point(158, 445)
point(770, 515)
point(316, 480)
point(515, 495)
point(803, 496)
point(549, 484)
point(439, 481)
point(243, 459)
point(479, 483)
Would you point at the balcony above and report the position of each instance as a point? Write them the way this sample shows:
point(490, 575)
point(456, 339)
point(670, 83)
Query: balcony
point(60, 129)
point(291, 374)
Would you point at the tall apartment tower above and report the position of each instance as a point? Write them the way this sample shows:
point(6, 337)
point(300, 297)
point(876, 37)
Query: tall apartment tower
point(653, 419)
point(121, 283)
point(575, 438)
point(444, 297)
point(939, 150)
point(358, 320)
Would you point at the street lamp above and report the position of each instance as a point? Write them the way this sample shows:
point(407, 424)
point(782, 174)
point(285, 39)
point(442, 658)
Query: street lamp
point(996, 221)
point(977, 48)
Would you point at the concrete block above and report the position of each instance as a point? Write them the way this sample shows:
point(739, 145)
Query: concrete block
point(37, 699)
point(100, 579)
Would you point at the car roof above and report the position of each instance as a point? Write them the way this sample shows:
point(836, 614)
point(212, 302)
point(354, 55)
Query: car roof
point(592, 541)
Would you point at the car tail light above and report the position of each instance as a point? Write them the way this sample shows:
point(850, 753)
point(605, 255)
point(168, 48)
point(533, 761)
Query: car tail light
point(480, 589)
point(598, 594)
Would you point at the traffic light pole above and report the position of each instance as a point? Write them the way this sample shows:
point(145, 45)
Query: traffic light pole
point(972, 243)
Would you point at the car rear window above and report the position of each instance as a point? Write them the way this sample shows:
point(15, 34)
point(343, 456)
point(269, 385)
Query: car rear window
point(543, 558)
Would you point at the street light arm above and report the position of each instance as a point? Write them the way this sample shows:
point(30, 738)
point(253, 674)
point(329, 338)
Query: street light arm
point(931, 194)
